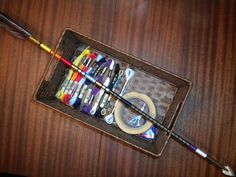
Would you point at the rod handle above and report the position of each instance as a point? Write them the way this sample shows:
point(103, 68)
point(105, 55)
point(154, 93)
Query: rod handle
point(11, 26)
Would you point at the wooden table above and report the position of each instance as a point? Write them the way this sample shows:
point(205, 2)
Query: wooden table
point(195, 39)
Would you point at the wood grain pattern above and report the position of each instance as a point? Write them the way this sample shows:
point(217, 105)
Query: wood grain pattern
point(195, 39)
point(35, 141)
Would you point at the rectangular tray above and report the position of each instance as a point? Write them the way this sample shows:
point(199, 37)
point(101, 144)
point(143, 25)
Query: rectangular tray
point(164, 88)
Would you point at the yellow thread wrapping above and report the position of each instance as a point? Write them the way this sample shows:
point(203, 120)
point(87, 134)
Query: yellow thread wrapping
point(46, 48)
point(74, 67)
point(35, 41)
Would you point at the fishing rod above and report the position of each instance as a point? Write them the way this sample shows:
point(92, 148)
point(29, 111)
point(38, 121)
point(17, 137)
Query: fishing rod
point(22, 33)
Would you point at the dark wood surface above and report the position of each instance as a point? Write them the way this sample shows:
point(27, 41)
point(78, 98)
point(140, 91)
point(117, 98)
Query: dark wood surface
point(195, 39)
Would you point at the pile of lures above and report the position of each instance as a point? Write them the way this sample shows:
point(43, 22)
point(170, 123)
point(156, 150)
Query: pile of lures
point(78, 92)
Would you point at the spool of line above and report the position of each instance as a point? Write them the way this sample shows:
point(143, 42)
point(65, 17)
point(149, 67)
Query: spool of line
point(119, 116)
